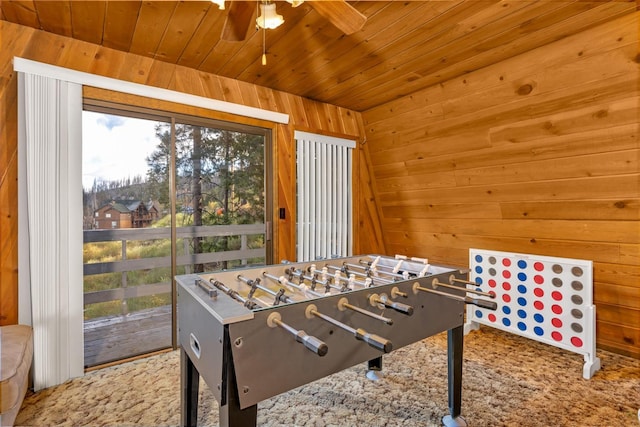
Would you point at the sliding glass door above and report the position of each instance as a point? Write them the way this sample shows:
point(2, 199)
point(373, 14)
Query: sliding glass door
point(163, 195)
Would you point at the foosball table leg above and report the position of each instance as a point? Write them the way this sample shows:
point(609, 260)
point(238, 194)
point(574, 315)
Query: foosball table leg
point(189, 382)
point(374, 369)
point(231, 415)
point(454, 368)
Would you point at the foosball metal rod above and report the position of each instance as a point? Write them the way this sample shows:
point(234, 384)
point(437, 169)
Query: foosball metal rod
point(351, 279)
point(312, 343)
point(437, 283)
point(279, 296)
point(233, 294)
point(468, 282)
point(286, 282)
point(312, 279)
point(415, 266)
point(325, 277)
point(395, 292)
point(375, 299)
point(343, 304)
point(412, 258)
point(360, 334)
point(384, 280)
point(365, 266)
point(490, 305)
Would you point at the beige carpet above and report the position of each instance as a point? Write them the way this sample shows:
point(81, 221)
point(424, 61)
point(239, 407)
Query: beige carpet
point(507, 381)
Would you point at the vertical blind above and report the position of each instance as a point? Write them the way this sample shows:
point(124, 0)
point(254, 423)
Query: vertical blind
point(323, 196)
point(49, 117)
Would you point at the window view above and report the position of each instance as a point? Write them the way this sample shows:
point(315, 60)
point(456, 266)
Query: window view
point(220, 181)
point(218, 196)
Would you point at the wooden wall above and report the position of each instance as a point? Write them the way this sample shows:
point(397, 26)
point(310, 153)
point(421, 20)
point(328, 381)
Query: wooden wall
point(537, 154)
point(304, 114)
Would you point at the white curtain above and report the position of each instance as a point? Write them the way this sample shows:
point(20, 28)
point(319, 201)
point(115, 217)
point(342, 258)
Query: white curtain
point(324, 224)
point(50, 218)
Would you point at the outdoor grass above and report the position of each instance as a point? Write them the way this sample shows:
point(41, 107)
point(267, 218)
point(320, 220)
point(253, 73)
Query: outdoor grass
point(112, 251)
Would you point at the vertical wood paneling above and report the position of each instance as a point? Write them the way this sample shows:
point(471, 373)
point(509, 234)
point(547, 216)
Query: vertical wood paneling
point(8, 205)
point(152, 20)
point(9, 243)
point(181, 29)
point(304, 114)
point(23, 12)
point(201, 44)
point(119, 23)
point(136, 69)
point(161, 74)
point(55, 16)
point(77, 53)
point(537, 154)
point(87, 21)
point(15, 41)
point(107, 62)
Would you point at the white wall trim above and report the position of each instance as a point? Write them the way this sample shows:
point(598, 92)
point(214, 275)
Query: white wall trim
point(79, 77)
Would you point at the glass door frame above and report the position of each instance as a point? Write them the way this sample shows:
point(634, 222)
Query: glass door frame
point(264, 129)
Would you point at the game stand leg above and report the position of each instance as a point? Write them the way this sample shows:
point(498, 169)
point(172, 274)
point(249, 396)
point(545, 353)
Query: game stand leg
point(454, 371)
point(374, 369)
point(189, 382)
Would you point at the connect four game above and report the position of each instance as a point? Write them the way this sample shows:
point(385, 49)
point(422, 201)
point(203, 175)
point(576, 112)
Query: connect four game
point(543, 298)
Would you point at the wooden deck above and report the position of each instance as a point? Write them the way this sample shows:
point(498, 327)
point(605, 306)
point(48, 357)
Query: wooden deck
point(121, 337)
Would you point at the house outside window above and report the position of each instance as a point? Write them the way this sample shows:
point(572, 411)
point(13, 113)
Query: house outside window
point(220, 178)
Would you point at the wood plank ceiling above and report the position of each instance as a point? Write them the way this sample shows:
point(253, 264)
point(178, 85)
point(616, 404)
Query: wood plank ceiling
point(404, 46)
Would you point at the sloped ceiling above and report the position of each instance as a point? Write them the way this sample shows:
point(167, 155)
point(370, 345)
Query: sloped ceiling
point(404, 46)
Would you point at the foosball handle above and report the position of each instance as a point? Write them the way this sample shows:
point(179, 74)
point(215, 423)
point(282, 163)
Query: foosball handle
point(482, 303)
point(399, 307)
point(374, 341)
point(312, 343)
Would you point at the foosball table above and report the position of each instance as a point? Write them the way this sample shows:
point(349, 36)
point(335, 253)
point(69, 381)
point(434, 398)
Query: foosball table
point(257, 332)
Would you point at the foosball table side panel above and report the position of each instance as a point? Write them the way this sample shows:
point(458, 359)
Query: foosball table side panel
point(268, 361)
point(202, 339)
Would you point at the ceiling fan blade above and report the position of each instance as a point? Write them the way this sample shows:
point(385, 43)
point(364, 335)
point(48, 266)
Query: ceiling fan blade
point(341, 14)
point(238, 20)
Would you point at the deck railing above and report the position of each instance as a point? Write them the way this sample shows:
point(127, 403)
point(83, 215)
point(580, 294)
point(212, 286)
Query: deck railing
point(187, 259)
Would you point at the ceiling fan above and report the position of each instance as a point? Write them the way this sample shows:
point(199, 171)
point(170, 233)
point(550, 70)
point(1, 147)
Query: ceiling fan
point(341, 14)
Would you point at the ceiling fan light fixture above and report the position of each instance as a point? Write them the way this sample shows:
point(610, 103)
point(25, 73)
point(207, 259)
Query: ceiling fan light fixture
point(220, 3)
point(269, 18)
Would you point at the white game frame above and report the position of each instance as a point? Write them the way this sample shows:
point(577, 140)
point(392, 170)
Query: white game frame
point(562, 290)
